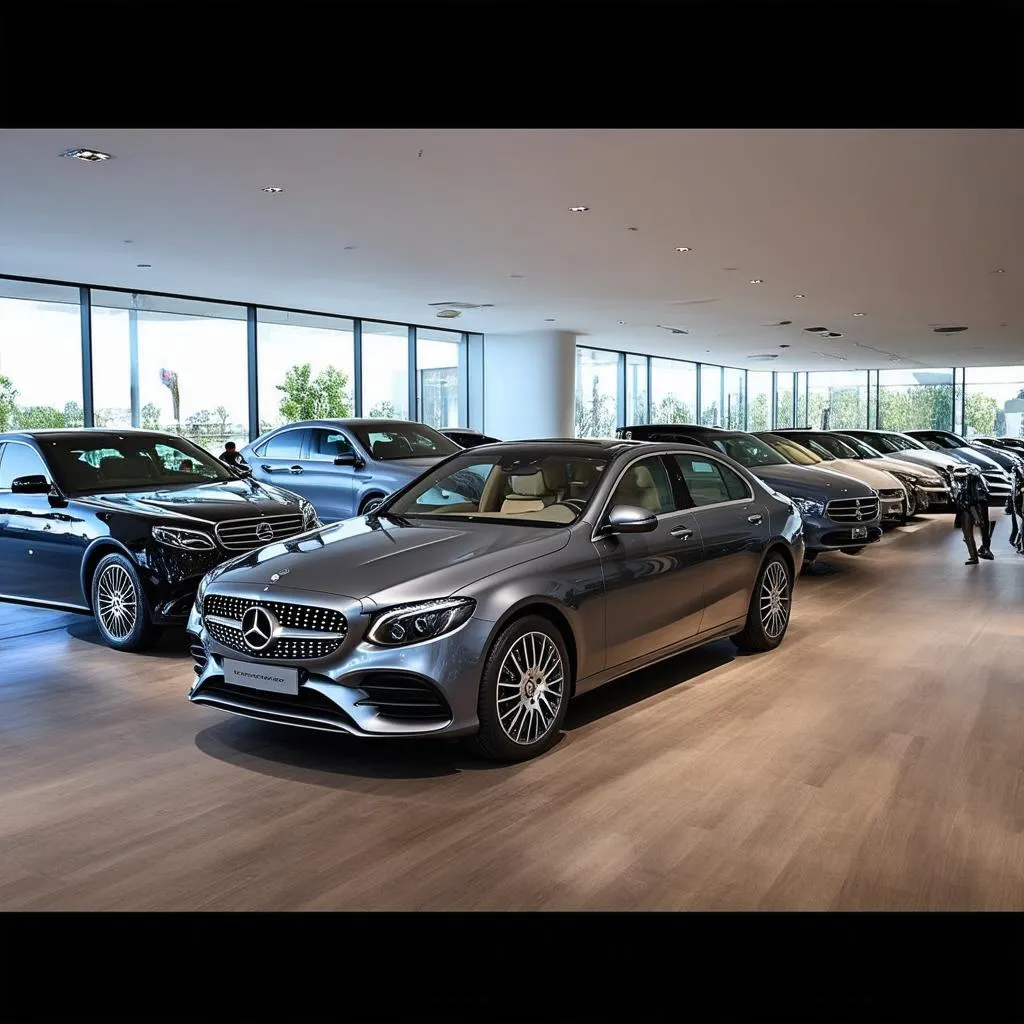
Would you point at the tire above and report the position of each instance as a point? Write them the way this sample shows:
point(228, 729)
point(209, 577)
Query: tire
point(512, 665)
point(370, 503)
point(776, 578)
point(119, 605)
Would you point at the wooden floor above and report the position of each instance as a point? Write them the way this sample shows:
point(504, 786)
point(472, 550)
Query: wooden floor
point(875, 761)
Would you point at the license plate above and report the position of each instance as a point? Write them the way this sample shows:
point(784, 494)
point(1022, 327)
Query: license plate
point(271, 678)
point(859, 532)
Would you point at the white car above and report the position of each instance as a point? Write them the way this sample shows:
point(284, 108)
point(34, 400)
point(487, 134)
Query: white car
point(893, 497)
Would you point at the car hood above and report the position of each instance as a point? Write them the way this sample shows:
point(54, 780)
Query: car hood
point(811, 482)
point(213, 502)
point(873, 476)
point(1004, 459)
point(890, 465)
point(387, 562)
point(927, 458)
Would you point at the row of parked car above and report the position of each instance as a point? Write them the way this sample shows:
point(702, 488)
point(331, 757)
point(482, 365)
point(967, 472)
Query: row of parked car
point(379, 578)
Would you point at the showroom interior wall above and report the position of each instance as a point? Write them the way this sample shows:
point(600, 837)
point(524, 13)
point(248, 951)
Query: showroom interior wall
point(215, 370)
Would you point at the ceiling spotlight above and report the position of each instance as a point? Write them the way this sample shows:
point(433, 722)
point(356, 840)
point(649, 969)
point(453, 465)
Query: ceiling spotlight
point(784, 346)
point(632, 229)
point(449, 314)
point(833, 334)
point(816, 330)
point(143, 266)
point(349, 248)
point(948, 330)
point(91, 156)
point(273, 190)
point(858, 314)
point(682, 248)
point(578, 209)
point(515, 275)
point(1000, 271)
point(756, 280)
point(800, 295)
point(622, 323)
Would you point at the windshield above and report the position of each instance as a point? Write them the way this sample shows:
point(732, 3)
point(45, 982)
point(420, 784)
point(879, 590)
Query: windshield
point(793, 452)
point(515, 486)
point(392, 441)
point(746, 449)
point(830, 447)
point(889, 443)
point(861, 450)
point(93, 463)
point(937, 442)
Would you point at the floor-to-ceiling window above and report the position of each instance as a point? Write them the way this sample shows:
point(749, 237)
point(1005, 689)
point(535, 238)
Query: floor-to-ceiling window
point(800, 384)
point(784, 399)
point(597, 392)
point(440, 371)
point(837, 400)
point(385, 370)
point(994, 401)
point(173, 364)
point(759, 400)
point(915, 399)
point(305, 367)
point(734, 388)
point(636, 389)
point(40, 356)
point(673, 391)
point(712, 411)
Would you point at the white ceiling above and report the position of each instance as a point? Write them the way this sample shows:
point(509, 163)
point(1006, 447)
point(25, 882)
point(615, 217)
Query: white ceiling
point(906, 227)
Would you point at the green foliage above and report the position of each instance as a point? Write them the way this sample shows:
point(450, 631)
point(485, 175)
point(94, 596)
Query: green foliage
point(672, 410)
point(74, 416)
point(917, 407)
point(39, 417)
point(383, 411)
point(312, 398)
point(847, 408)
point(709, 417)
point(982, 415)
point(8, 395)
point(759, 415)
point(595, 418)
point(784, 407)
point(150, 415)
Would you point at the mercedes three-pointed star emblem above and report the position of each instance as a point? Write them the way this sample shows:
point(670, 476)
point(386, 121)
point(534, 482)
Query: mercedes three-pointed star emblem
point(259, 628)
point(264, 532)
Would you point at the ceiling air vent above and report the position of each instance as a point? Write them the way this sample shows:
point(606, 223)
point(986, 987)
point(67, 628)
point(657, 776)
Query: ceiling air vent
point(816, 330)
point(763, 357)
point(948, 330)
point(461, 305)
point(674, 330)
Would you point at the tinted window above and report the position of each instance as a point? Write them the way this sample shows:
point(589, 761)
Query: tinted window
point(796, 453)
point(746, 449)
point(646, 484)
point(19, 460)
point(709, 482)
point(832, 445)
point(286, 445)
point(329, 444)
point(404, 441)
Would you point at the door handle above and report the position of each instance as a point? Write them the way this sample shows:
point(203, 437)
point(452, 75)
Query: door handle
point(756, 519)
point(295, 469)
point(682, 532)
point(269, 469)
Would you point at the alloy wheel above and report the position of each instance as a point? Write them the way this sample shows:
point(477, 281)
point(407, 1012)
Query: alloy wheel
point(774, 600)
point(117, 607)
point(531, 684)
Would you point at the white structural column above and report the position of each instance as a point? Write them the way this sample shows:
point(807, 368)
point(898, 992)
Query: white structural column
point(529, 383)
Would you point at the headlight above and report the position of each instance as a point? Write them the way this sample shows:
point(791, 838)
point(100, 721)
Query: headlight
point(907, 478)
point(810, 506)
point(310, 521)
point(425, 620)
point(186, 540)
point(201, 591)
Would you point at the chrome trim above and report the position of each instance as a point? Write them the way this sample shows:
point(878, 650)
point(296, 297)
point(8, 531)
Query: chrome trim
point(283, 633)
point(46, 604)
point(281, 525)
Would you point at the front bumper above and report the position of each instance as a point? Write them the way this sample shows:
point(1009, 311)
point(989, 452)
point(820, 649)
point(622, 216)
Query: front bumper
point(425, 689)
point(822, 534)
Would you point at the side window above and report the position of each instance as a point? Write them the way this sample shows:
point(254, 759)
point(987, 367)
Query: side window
point(19, 460)
point(646, 484)
point(286, 445)
point(329, 444)
point(709, 482)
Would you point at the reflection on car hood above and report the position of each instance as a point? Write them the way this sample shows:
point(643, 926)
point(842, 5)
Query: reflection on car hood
point(924, 457)
point(811, 482)
point(873, 476)
point(388, 562)
point(213, 502)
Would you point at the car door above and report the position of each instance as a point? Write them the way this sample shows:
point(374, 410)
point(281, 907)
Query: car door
point(278, 459)
point(328, 467)
point(653, 592)
point(41, 544)
point(734, 528)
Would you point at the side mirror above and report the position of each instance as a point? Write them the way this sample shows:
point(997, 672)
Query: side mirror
point(630, 519)
point(30, 485)
point(348, 460)
point(243, 471)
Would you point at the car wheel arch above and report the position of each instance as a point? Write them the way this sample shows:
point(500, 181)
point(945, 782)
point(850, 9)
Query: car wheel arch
point(554, 615)
point(787, 555)
point(94, 554)
point(374, 494)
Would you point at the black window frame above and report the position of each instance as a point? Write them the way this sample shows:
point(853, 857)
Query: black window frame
point(721, 467)
point(312, 452)
point(303, 433)
point(6, 444)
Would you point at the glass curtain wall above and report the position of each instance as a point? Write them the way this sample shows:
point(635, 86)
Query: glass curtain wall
point(837, 400)
point(734, 388)
point(171, 364)
point(597, 392)
point(40, 356)
point(784, 390)
point(385, 370)
point(306, 367)
point(759, 400)
point(673, 391)
point(636, 390)
point(994, 401)
point(440, 369)
point(712, 397)
point(915, 399)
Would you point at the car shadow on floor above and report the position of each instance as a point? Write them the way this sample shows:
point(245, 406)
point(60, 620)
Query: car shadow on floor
point(306, 755)
point(172, 643)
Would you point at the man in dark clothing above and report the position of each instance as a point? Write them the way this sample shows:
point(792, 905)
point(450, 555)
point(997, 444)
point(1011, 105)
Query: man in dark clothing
point(970, 499)
point(231, 456)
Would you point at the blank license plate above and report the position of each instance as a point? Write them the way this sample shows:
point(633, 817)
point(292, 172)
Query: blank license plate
point(271, 678)
point(859, 532)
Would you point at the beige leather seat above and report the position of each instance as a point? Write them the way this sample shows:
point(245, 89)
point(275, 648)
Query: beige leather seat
point(637, 488)
point(529, 494)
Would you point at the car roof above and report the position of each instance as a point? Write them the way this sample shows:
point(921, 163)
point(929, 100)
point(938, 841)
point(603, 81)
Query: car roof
point(81, 433)
point(351, 422)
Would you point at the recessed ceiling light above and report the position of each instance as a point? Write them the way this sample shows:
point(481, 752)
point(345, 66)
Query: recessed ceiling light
point(515, 275)
point(578, 209)
point(756, 280)
point(800, 295)
point(128, 241)
point(858, 314)
point(449, 314)
point(682, 248)
point(622, 323)
point(273, 190)
point(91, 156)
point(143, 266)
point(349, 248)
point(549, 319)
point(1000, 271)
point(783, 346)
point(632, 229)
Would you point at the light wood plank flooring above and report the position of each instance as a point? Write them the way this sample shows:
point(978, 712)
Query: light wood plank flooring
point(875, 761)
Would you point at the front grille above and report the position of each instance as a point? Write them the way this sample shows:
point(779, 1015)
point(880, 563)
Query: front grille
point(301, 622)
point(852, 510)
point(996, 482)
point(244, 534)
point(404, 699)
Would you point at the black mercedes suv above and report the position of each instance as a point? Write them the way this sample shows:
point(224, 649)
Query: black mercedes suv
point(123, 524)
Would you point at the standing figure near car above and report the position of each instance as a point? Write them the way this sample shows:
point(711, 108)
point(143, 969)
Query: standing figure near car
point(970, 498)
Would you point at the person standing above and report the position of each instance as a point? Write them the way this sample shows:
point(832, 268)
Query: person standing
point(232, 456)
point(970, 499)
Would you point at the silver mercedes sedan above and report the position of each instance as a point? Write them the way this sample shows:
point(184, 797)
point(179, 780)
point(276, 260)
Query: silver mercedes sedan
point(479, 599)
